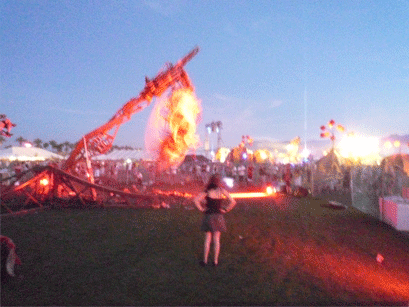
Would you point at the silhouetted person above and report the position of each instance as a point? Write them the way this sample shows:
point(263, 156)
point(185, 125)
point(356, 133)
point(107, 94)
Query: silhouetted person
point(287, 177)
point(211, 203)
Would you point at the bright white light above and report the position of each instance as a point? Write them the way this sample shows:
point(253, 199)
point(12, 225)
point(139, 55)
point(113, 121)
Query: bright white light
point(359, 147)
point(305, 153)
point(44, 181)
point(270, 190)
point(222, 154)
point(263, 155)
point(229, 181)
point(388, 144)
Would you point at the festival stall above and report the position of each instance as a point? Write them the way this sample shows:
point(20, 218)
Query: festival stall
point(394, 202)
point(396, 163)
point(328, 172)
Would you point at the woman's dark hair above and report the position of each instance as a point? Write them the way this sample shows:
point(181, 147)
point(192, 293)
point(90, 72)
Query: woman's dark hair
point(214, 182)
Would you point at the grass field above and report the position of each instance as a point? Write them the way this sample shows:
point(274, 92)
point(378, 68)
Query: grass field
point(277, 251)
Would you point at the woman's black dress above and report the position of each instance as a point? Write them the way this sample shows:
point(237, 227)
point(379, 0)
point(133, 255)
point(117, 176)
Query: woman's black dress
point(213, 219)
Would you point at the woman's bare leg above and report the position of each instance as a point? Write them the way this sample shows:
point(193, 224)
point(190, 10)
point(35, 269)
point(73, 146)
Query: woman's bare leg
point(207, 241)
point(216, 246)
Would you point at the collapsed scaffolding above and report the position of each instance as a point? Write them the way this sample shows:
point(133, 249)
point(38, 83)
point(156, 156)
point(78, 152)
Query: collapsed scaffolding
point(74, 182)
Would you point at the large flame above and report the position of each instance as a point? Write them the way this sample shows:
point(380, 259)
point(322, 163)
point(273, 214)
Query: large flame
point(171, 131)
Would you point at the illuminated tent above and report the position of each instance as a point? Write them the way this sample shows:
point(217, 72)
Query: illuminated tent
point(222, 154)
point(262, 156)
point(329, 164)
point(196, 158)
point(239, 154)
point(190, 161)
point(28, 154)
point(394, 163)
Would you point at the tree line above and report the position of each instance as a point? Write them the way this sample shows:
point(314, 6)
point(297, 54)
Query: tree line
point(60, 148)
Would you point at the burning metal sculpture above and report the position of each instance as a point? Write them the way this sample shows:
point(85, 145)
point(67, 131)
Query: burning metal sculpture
point(5, 126)
point(68, 185)
point(100, 140)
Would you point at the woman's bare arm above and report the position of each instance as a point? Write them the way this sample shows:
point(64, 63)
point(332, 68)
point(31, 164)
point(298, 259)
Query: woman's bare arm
point(198, 201)
point(232, 201)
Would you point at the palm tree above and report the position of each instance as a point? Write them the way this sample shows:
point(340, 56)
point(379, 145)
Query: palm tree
point(53, 144)
point(59, 147)
point(20, 140)
point(2, 140)
point(38, 143)
point(71, 147)
point(67, 147)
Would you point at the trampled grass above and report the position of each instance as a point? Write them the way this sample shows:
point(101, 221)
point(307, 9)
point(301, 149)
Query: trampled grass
point(277, 251)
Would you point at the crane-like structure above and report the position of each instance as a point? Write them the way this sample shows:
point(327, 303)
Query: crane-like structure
point(100, 140)
point(67, 184)
point(5, 126)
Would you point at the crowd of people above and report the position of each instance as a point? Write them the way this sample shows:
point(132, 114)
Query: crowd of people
point(142, 173)
point(145, 173)
point(242, 175)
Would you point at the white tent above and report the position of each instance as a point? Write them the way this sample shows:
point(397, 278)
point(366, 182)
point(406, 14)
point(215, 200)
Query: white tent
point(27, 154)
point(119, 155)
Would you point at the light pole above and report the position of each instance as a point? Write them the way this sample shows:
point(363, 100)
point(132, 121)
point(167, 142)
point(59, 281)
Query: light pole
point(213, 127)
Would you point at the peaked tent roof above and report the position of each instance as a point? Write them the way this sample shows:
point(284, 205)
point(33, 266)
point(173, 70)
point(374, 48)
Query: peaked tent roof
point(28, 154)
point(195, 158)
point(329, 164)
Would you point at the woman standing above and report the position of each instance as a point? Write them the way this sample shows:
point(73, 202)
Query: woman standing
point(210, 202)
point(287, 177)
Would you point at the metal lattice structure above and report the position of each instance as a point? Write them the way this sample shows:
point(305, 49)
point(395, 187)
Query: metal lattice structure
point(40, 187)
point(100, 140)
point(47, 187)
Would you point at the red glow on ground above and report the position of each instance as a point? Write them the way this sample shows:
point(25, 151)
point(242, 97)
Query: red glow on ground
point(270, 191)
point(249, 194)
point(360, 274)
point(173, 193)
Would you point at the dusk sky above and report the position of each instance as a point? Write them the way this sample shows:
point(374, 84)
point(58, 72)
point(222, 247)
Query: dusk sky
point(68, 66)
